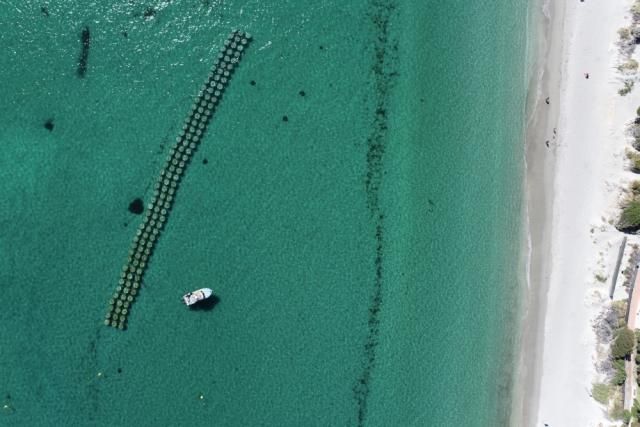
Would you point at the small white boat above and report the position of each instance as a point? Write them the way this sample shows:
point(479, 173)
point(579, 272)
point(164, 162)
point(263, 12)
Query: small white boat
point(195, 296)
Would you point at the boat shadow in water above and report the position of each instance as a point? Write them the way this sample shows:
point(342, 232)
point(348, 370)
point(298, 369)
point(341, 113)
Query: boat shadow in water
point(206, 304)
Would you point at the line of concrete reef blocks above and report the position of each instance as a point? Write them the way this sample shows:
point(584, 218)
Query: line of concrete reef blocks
point(173, 169)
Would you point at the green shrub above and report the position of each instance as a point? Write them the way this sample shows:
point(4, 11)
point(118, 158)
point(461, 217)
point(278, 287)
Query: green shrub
point(628, 85)
point(620, 375)
point(600, 392)
point(629, 65)
point(620, 308)
point(635, 189)
point(624, 33)
point(630, 217)
point(617, 411)
point(635, 160)
point(623, 344)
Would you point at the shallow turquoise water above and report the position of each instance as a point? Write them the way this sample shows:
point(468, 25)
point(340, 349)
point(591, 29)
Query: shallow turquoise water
point(365, 251)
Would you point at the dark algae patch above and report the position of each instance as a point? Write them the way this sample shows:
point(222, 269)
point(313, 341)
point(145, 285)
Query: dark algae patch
point(136, 206)
point(380, 15)
point(7, 405)
point(48, 125)
point(84, 53)
point(149, 13)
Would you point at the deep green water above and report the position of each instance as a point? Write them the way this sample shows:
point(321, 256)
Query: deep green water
point(366, 252)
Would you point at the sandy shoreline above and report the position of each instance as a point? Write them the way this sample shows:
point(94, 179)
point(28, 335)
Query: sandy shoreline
point(572, 191)
point(539, 181)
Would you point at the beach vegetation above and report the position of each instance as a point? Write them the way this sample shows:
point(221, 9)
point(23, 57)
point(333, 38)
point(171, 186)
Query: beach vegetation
point(606, 324)
point(635, 9)
point(630, 217)
point(627, 87)
point(601, 277)
point(629, 66)
point(624, 342)
point(620, 309)
point(600, 392)
point(627, 40)
point(629, 269)
point(619, 374)
point(635, 410)
point(626, 417)
point(635, 188)
point(634, 131)
point(634, 157)
point(617, 411)
point(635, 163)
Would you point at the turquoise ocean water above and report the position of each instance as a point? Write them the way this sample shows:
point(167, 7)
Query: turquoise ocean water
point(366, 251)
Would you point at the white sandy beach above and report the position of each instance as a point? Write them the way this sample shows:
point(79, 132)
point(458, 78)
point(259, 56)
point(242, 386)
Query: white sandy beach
point(574, 190)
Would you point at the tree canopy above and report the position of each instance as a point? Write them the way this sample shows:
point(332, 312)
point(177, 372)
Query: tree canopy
point(623, 345)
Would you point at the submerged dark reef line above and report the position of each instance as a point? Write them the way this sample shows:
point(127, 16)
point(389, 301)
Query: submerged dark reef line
point(172, 171)
point(380, 16)
point(84, 53)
